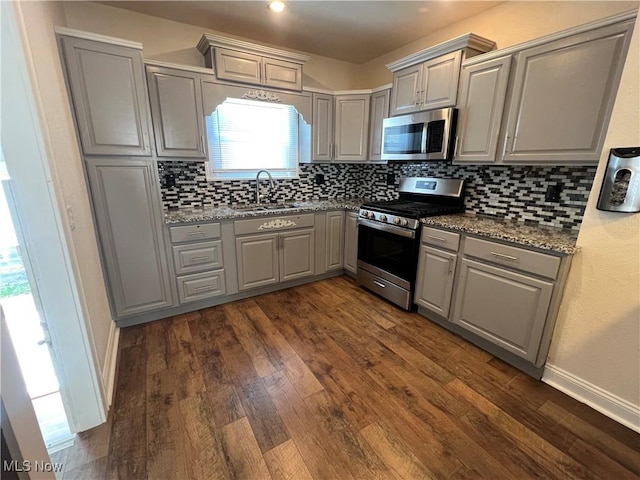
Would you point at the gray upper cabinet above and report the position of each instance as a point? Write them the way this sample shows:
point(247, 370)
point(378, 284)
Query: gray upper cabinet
point(126, 202)
point(351, 128)
point(340, 127)
point(107, 87)
point(239, 61)
point(483, 89)
point(504, 307)
point(176, 109)
point(563, 95)
point(378, 112)
point(322, 127)
point(426, 86)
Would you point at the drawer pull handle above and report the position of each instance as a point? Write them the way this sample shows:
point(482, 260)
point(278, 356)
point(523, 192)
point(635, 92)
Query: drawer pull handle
point(438, 239)
point(193, 234)
point(198, 259)
point(503, 256)
point(202, 289)
point(381, 285)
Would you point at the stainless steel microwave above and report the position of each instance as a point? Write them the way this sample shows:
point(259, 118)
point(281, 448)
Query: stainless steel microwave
point(420, 136)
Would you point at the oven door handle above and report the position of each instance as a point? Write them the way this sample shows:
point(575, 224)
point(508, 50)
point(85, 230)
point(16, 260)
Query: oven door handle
point(385, 227)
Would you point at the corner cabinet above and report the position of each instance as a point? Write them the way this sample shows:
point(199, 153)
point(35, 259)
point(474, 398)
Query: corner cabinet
point(378, 112)
point(351, 242)
point(176, 110)
point(126, 203)
point(109, 96)
point(340, 127)
point(563, 95)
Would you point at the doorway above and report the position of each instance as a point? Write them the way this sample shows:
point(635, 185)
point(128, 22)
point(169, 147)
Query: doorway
point(29, 334)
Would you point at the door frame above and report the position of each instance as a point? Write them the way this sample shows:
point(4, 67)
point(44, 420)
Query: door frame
point(27, 152)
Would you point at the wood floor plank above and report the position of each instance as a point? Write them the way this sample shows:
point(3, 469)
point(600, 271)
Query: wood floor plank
point(285, 463)
point(127, 457)
point(266, 424)
point(394, 453)
point(183, 361)
point(550, 457)
point(130, 388)
point(627, 456)
point(204, 455)
point(242, 453)
point(94, 470)
point(87, 447)
point(157, 347)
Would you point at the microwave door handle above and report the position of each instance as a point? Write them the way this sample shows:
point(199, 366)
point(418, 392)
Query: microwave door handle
point(423, 144)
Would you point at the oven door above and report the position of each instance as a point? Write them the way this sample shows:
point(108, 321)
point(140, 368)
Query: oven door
point(388, 251)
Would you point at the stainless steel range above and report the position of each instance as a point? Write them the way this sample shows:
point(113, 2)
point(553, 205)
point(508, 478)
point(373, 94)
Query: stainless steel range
point(389, 234)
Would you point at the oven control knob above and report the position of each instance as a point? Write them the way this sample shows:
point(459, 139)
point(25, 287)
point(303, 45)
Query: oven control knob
point(371, 215)
point(404, 222)
point(383, 218)
point(396, 220)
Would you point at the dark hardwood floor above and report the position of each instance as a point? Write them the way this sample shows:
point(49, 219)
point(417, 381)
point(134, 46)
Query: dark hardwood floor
point(325, 381)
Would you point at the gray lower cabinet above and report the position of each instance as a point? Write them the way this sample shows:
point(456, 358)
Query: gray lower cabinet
point(176, 110)
point(285, 252)
point(106, 84)
point(351, 242)
point(126, 202)
point(434, 282)
point(503, 306)
point(334, 242)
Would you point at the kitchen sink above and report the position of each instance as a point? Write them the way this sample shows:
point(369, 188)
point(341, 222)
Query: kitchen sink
point(265, 207)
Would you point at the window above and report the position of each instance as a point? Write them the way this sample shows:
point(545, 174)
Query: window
point(246, 136)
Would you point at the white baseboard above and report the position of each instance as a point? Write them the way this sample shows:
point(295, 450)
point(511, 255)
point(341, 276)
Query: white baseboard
point(109, 369)
point(608, 404)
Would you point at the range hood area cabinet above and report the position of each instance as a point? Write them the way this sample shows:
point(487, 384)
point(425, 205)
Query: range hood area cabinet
point(244, 62)
point(428, 79)
point(548, 101)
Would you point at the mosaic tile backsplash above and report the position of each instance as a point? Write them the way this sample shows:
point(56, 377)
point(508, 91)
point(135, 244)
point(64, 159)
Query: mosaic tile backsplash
point(510, 192)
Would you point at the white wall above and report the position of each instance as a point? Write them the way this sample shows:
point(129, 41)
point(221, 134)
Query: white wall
point(67, 173)
point(175, 42)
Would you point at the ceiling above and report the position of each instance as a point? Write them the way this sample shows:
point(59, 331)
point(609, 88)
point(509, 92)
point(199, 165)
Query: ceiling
point(353, 31)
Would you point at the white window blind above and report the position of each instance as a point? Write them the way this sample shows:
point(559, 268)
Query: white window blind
point(245, 136)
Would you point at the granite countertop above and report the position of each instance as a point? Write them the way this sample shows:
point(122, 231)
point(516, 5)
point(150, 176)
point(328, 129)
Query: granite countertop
point(546, 238)
point(203, 214)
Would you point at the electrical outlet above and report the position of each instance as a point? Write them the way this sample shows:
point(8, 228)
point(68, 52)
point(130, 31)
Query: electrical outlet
point(169, 180)
point(319, 178)
point(391, 179)
point(553, 193)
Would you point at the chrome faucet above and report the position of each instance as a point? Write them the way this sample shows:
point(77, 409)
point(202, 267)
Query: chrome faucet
point(271, 184)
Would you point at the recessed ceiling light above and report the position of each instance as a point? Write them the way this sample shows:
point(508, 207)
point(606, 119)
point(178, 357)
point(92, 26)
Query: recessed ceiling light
point(276, 6)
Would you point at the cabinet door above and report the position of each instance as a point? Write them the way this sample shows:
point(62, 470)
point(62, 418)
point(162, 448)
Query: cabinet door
point(322, 127)
point(106, 83)
point(563, 95)
point(238, 66)
point(296, 254)
point(503, 307)
point(334, 240)
point(436, 271)
point(257, 257)
point(379, 111)
point(176, 110)
point(280, 74)
point(352, 128)
point(351, 242)
point(126, 204)
point(440, 81)
point(483, 89)
point(406, 86)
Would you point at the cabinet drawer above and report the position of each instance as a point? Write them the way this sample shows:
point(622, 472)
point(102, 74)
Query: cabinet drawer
point(441, 238)
point(188, 233)
point(199, 286)
point(273, 224)
point(194, 258)
point(525, 260)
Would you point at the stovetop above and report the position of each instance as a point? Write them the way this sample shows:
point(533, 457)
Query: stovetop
point(411, 209)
